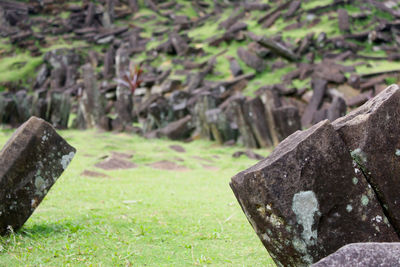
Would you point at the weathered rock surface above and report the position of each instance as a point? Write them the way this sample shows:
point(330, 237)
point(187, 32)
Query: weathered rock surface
point(30, 163)
point(363, 255)
point(306, 200)
point(372, 134)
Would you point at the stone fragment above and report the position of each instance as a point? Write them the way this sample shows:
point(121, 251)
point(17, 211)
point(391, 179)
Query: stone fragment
point(177, 148)
point(363, 255)
point(109, 61)
point(372, 134)
point(255, 115)
point(306, 200)
point(319, 86)
point(92, 102)
point(251, 59)
point(250, 154)
point(232, 19)
point(179, 44)
point(234, 66)
point(274, 46)
point(293, 7)
point(337, 109)
point(343, 18)
point(271, 101)
point(59, 107)
point(124, 103)
point(204, 103)
point(287, 121)
point(220, 126)
point(30, 163)
point(179, 129)
point(247, 136)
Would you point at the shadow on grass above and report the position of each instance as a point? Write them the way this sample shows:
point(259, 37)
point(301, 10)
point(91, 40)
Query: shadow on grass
point(50, 229)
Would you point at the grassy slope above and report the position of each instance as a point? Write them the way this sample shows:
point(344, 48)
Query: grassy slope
point(179, 218)
point(11, 62)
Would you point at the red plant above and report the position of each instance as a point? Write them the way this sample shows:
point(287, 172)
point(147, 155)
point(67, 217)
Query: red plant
point(131, 78)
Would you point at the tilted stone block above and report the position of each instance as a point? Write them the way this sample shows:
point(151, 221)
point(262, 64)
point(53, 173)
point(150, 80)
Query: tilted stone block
point(307, 199)
point(372, 134)
point(363, 255)
point(30, 163)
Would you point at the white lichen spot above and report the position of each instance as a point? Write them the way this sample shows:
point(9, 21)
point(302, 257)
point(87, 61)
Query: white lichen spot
point(377, 219)
point(364, 200)
point(355, 180)
point(349, 208)
point(299, 245)
point(397, 152)
point(305, 206)
point(359, 156)
point(33, 203)
point(275, 220)
point(261, 211)
point(269, 208)
point(66, 159)
point(370, 193)
point(308, 259)
point(39, 183)
point(265, 237)
point(385, 220)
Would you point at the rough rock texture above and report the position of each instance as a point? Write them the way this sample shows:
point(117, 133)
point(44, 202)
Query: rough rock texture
point(30, 163)
point(372, 133)
point(363, 255)
point(306, 200)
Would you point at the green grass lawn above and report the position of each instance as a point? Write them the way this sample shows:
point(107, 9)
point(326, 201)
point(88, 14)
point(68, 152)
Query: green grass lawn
point(141, 216)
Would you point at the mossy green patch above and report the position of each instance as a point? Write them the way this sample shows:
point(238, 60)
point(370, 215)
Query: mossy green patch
point(266, 78)
point(18, 67)
point(313, 4)
point(373, 66)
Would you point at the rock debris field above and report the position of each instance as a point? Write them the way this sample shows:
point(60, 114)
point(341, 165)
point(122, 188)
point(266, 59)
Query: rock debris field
point(309, 78)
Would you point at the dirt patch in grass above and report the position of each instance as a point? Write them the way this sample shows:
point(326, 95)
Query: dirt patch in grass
point(94, 174)
point(115, 163)
point(203, 159)
point(210, 167)
point(177, 148)
point(168, 165)
point(121, 155)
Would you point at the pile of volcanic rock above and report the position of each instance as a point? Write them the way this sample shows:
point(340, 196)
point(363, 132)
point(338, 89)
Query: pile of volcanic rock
point(81, 83)
point(328, 186)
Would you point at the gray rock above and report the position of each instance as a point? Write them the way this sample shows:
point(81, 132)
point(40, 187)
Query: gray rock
point(306, 200)
point(30, 163)
point(363, 255)
point(372, 134)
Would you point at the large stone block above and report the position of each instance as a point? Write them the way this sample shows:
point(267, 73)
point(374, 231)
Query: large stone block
point(306, 200)
point(363, 255)
point(30, 163)
point(372, 134)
